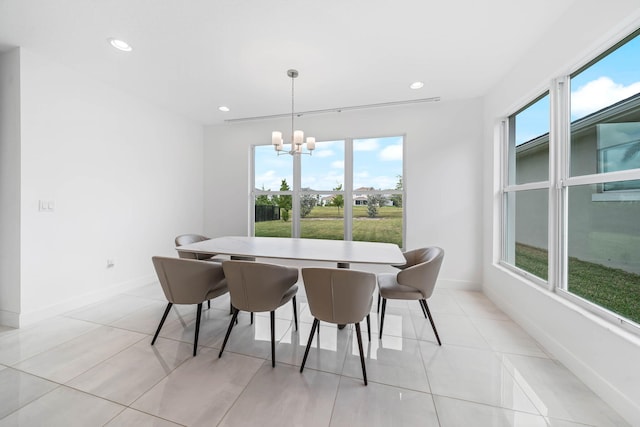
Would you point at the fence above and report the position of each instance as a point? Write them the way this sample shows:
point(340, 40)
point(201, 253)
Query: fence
point(267, 213)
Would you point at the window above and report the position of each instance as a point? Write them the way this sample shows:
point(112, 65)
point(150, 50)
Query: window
point(322, 192)
point(526, 191)
point(348, 189)
point(571, 221)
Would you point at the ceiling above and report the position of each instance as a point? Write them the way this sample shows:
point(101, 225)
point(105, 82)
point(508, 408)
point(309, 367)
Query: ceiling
point(193, 56)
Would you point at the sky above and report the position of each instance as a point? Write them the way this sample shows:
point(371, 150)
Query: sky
point(377, 164)
point(611, 79)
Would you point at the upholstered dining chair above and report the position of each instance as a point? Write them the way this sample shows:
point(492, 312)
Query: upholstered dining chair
point(415, 281)
point(186, 239)
point(340, 296)
point(258, 287)
point(188, 281)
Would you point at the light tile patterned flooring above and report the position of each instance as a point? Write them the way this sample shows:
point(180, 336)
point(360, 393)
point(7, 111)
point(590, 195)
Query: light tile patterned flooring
point(95, 366)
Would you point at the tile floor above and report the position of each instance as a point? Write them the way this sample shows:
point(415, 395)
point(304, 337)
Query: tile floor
point(95, 366)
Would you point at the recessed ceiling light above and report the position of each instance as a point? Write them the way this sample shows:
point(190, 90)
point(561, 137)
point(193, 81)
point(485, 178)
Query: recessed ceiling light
point(416, 85)
point(223, 108)
point(120, 45)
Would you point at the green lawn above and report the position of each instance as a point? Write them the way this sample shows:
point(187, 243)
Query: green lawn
point(324, 222)
point(611, 288)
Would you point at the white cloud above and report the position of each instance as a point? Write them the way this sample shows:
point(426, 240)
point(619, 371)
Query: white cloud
point(599, 93)
point(323, 153)
point(270, 180)
point(338, 164)
point(391, 152)
point(365, 145)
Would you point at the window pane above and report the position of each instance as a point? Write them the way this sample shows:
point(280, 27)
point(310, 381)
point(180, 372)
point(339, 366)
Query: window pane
point(378, 218)
point(325, 220)
point(527, 231)
point(377, 163)
point(273, 210)
point(529, 143)
point(604, 250)
point(605, 114)
point(324, 170)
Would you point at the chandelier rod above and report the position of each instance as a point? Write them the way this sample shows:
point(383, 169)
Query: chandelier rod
point(293, 74)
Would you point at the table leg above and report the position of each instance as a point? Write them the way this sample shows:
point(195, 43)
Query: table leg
point(342, 265)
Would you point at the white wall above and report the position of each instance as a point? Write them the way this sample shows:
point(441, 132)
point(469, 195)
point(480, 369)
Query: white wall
point(602, 355)
point(442, 165)
point(10, 187)
point(125, 178)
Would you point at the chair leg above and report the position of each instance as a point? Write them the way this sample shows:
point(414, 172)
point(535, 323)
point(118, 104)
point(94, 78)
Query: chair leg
point(369, 326)
point(433, 325)
point(198, 317)
point(230, 307)
point(273, 339)
point(424, 312)
point(226, 337)
point(164, 317)
point(208, 303)
point(364, 370)
point(384, 308)
point(316, 325)
point(252, 317)
point(379, 298)
point(295, 313)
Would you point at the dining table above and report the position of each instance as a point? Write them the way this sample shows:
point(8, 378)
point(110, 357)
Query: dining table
point(341, 252)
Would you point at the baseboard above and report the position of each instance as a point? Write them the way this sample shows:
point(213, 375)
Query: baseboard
point(9, 318)
point(31, 317)
point(627, 408)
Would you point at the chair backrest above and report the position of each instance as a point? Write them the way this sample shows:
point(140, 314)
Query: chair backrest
point(187, 281)
point(338, 295)
point(256, 286)
point(422, 268)
point(185, 239)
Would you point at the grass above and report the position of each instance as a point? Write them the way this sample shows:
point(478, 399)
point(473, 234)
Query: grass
point(614, 289)
point(324, 222)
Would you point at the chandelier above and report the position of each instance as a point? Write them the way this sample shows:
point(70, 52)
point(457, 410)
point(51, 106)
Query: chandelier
point(297, 136)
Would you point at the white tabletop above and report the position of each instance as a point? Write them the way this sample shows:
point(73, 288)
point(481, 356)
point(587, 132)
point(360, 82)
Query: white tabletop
point(338, 251)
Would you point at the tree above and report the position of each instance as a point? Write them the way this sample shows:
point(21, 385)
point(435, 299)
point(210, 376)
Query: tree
point(338, 199)
point(396, 199)
point(307, 202)
point(284, 201)
point(264, 199)
point(374, 201)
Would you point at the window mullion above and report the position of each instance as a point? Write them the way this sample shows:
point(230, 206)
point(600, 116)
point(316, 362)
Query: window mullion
point(558, 167)
point(295, 199)
point(348, 189)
